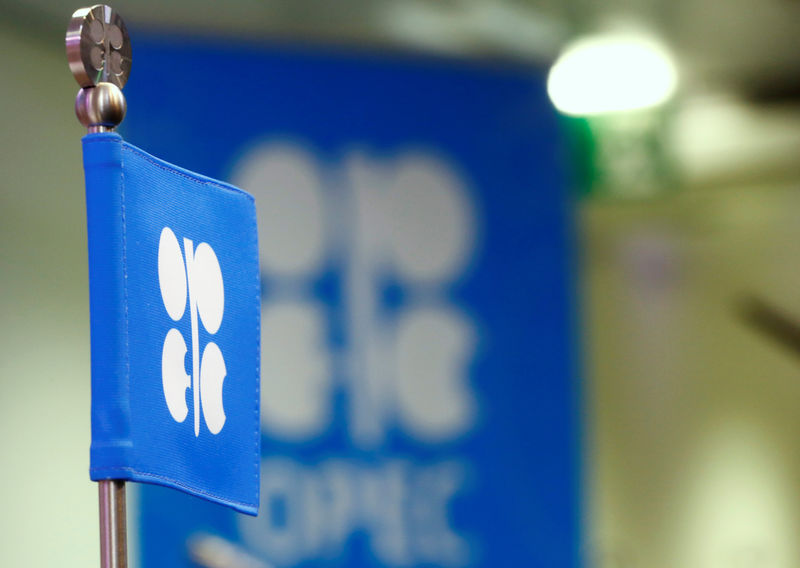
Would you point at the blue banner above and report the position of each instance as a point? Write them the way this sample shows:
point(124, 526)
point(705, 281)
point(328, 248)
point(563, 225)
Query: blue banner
point(419, 393)
point(175, 307)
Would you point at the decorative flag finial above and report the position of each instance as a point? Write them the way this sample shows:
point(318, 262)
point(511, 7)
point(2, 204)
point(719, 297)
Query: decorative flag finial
point(99, 55)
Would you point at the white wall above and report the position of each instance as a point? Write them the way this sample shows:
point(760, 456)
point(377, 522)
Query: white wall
point(48, 506)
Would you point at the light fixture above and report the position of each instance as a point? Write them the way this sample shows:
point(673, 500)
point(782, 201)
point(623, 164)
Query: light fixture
point(612, 73)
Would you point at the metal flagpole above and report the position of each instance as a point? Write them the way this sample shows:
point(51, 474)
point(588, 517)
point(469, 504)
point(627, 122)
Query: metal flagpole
point(99, 55)
point(113, 533)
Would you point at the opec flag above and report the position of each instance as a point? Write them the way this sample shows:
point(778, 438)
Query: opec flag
point(175, 309)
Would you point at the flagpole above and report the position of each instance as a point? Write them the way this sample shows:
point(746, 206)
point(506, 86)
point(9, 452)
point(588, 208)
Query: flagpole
point(99, 56)
point(113, 526)
point(101, 108)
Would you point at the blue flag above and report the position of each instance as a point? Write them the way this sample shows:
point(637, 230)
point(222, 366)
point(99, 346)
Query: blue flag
point(175, 309)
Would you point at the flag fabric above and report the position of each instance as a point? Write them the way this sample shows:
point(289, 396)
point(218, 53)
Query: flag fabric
point(175, 313)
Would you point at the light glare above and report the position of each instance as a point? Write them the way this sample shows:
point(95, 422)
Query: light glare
point(606, 74)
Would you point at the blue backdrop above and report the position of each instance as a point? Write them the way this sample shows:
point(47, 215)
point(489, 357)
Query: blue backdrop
point(419, 391)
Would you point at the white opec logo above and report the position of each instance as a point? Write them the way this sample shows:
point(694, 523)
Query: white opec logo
point(200, 279)
point(406, 219)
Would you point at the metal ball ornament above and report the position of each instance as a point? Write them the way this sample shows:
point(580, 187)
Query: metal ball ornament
point(100, 108)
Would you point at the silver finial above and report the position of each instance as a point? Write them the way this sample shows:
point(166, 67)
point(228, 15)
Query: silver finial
point(98, 47)
point(99, 55)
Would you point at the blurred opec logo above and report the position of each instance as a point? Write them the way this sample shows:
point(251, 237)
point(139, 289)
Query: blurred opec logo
point(389, 343)
point(406, 219)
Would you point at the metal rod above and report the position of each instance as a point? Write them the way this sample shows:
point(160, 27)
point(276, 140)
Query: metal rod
point(113, 530)
point(97, 35)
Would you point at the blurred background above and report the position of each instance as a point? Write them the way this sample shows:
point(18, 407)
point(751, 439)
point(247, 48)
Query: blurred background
point(682, 121)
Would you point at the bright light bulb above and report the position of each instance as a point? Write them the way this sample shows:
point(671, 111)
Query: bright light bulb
point(612, 73)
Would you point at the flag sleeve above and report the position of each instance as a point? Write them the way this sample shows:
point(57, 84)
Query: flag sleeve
point(105, 212)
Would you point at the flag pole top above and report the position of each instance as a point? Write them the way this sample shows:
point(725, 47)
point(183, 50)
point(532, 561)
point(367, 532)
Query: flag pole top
point(99, 56)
